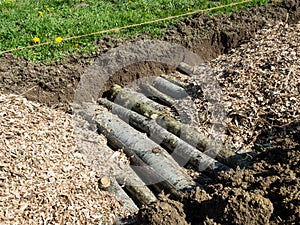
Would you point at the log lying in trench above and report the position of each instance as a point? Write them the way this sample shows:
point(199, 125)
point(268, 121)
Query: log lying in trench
point(131, 182)
point(122, 135)
point(174, 80)
point(185, 132)
point(148, 174)
point(185, 68)
point(134, 183)
point(151, 91)
point(136, 187)
point(179, 149)
point(115, 189)
point(169, 88)
point(147, 100)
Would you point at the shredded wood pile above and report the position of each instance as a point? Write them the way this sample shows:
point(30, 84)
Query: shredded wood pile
point(43, 178)
point(260, 84)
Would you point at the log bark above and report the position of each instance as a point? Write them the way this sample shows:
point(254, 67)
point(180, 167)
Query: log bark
point(152, 92)
point(147, 100)
point(185, 68)
point(115, 189)
point(136, 187)
point(181, 151)
point(122, 135)
point(148, 174)
point(184, 131)
point(174, 80)
point(169, 88)
point(141, 169)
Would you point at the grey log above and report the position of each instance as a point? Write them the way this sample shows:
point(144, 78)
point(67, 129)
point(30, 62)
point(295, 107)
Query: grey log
point(144, 98)
point(153, 92)
point(169, 88)
point(174, 80)
point(181, 150)
point(185, 68)
point(136, 187)
point(148, 174)
point(115, 189)
point(122, 134)
point(184, 131)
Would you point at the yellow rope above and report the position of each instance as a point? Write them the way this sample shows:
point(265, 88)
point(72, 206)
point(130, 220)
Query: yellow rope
point(129, 26)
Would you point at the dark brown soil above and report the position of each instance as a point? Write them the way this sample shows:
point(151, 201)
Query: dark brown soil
point(265, 193)
point(165, 211)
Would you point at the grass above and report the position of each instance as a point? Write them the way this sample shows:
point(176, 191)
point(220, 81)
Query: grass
point(28, 22)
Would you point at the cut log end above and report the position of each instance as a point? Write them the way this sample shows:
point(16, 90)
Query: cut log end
point(104, 182)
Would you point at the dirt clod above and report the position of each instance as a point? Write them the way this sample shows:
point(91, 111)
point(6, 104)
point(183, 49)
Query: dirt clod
point(165, 211)
point(236, 206)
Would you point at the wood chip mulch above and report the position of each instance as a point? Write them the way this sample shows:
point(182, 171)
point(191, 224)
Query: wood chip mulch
point(43, 177)
point(260, 83)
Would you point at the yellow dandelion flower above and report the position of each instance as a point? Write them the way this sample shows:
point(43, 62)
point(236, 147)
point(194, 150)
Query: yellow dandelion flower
point(41, 14)
point(58, 39)
point(77, 45)
point(36, 40)
point(189, 9)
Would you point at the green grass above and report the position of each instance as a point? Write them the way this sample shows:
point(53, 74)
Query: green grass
point(23, 20)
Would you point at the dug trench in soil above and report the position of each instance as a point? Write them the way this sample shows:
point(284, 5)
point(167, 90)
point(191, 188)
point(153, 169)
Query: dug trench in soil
point(269, 179)
point(230, 204)
point(120, 135)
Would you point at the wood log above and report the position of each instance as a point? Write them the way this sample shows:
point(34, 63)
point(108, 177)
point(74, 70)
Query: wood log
point(181, 151)
point(148, 174)
point(122, 135)
point(174, 80)
point(135, 187)
point(184, 131)
point(169, 88)
point(186, 69)
point(144, 98)
point(152, 92)
point(145, 172)
point(115, 189)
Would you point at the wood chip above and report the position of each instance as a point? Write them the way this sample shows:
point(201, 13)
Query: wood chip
point(44, 179)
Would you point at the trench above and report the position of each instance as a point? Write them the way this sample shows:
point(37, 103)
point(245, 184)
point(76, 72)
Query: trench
point(164, 148)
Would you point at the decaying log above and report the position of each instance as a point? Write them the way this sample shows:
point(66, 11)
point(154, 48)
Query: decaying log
point(122, 135)
point(184, 131)
point(181, 151)
point(169, 88)
point(152, 92)
point(174, 80)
